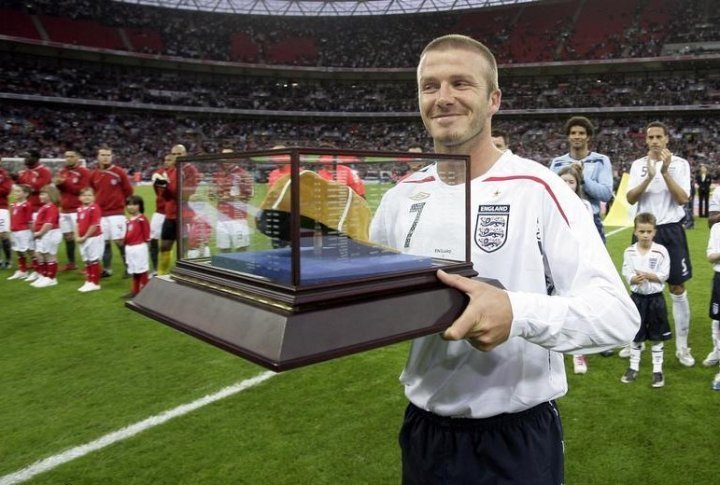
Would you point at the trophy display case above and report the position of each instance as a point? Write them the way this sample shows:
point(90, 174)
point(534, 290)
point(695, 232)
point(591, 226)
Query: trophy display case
point(279, 259)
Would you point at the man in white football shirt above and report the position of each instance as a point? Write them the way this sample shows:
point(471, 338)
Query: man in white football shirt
point(660, 184)
point(482, 394)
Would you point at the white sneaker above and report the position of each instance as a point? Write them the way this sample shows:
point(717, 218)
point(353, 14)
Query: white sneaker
point(32, 276)
point(44, 282)
point(579, 364)
point(18, 275)
point(625, 351)
point(38, 282)
point(89, 287)
point(712, 359)
point(685, 358)
point(716, 382)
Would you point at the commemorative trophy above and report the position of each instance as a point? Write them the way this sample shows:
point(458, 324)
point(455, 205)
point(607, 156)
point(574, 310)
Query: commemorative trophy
point(276, 260)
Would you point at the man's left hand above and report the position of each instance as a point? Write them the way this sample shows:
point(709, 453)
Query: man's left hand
point(485, 323)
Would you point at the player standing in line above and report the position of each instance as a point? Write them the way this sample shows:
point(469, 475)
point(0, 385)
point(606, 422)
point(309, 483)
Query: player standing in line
point(233, 190)
point(159, 180)
point(21, 215)
point(713, 358)
point(481, 394)
point(646, 266)
point(88, 234)
point(713, 255)
point(112, 186)
point(596, 168)
point(170, 189)
point(46, 231)
point(35, 175)
point(660, 184)
point(70, 180)
point(137, 236)
point(6, 184)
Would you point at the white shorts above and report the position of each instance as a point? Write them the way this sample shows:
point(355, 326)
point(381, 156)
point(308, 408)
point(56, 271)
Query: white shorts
point(113, 227)
point(49, 242)
point(68, 222)
point(136, 258)
point(92, 249)
point(233, 234)
point(156, 223)
point(22, 241)
point(4, 220)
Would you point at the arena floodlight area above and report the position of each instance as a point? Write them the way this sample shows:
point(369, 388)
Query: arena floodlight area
point(325, 8)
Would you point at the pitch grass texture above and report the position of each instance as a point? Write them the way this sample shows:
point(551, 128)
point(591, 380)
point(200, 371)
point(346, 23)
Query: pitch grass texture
point(74, 367)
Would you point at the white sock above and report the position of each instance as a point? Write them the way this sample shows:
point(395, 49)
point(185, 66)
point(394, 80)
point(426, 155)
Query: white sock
point(635, 351)
point(715, 327)
point(657, 356)
point(681, 314)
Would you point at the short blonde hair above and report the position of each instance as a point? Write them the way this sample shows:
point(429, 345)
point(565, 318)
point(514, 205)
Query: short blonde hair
point(457, 41)
point(52, 192)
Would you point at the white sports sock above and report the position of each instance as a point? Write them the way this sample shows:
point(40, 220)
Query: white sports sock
point(681, 314)
point(715, 328)
point(657, 356)
point(635, 351)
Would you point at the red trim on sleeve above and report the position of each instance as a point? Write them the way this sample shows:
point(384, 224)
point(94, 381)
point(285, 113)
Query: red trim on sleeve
point(534, 179)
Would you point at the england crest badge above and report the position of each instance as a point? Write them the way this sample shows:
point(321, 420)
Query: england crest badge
point(491, 226)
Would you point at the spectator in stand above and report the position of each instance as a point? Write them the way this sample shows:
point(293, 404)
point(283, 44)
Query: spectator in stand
point(111, 186)
point(660, 184)
point(72, 178)
point(233, 189)
point(500, 139)
point(191, 179)
point(596, 168)
point(6, 185)
point(704, 181)
point(35, 175)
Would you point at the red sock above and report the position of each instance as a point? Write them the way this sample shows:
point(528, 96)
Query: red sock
point(94, 272)
point(42, 268)
point(143, 281)
point(22, 264)
point(135, 284)
point(36, 265)
point(51, 269)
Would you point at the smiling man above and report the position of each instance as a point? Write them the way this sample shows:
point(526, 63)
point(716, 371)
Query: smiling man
point(482, 394)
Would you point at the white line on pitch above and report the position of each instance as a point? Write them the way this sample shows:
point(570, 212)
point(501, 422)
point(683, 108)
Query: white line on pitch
point(612, 233)
point(47, 464)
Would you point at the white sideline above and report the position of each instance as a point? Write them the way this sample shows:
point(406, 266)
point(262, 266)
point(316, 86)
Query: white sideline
point(49, 463)
point(612, 233)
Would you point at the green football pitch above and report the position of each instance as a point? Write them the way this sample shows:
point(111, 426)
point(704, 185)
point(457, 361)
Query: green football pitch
point(91, 392)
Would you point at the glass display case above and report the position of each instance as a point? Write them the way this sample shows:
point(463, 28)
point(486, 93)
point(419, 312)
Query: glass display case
point(294, 256)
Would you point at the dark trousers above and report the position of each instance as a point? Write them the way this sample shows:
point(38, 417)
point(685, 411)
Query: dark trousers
point(520, 448)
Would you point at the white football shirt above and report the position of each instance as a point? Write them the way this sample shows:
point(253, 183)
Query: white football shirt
point(657, 199)
point(656, 260)
point(535, 236)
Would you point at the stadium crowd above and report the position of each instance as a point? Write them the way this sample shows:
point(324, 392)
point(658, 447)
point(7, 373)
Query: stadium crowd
point(395, 41)
point(86, 80)
point(140, 137)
